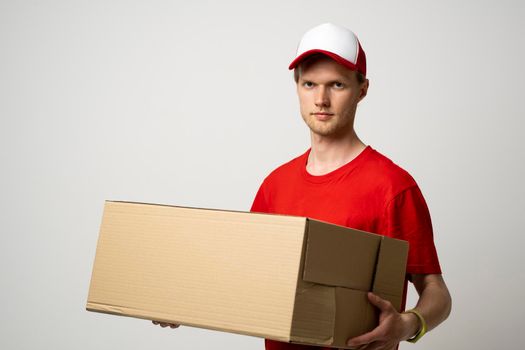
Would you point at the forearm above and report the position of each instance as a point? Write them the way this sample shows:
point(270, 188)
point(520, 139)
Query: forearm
point(434, 302)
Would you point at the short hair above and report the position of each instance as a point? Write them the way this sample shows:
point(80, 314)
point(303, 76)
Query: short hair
point(361, 78)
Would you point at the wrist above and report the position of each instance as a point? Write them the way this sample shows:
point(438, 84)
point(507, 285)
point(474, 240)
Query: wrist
point(412, 325)
point(422, 326)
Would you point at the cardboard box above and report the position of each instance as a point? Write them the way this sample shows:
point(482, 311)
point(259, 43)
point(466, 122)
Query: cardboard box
point(286, 278)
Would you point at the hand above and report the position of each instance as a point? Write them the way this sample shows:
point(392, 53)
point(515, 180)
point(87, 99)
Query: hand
point(393, 327)
point(164, 324)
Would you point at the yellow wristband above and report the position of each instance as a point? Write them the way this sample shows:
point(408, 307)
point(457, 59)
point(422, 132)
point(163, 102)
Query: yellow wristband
point(422, 328)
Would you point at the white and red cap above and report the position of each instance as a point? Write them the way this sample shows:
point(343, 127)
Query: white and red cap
point(337, 42)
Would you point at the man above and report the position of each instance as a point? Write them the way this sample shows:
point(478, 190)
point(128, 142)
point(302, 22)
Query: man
point(343, 181)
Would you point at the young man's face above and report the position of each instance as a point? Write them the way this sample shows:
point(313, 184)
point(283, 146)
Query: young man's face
point(328, 96)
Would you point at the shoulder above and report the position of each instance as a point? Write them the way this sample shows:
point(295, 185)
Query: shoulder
point(383, 172)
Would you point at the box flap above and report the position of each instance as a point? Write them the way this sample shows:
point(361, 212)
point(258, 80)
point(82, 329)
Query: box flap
point(329, 316)
point(391, 269)
point(339, 256)
point(354, 316)
point(314, 314)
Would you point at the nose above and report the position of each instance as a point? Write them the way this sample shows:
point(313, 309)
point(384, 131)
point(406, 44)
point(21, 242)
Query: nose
point(321, 98)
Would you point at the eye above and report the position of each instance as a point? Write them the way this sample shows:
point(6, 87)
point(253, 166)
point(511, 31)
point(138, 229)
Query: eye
point(308, 84)
point(339, 85)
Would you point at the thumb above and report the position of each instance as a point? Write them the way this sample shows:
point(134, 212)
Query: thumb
point(380, 303)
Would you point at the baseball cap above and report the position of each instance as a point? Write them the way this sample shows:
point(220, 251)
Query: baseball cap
point(335, 41)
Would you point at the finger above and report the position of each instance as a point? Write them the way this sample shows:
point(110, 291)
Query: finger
point(163, 325)
point(373, 346)
point(364, 347)
point(380, 303)
point(364, 339)
point(155, 322)
point(174, 325)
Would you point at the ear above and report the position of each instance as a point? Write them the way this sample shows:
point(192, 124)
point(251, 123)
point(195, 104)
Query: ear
point(363, 90)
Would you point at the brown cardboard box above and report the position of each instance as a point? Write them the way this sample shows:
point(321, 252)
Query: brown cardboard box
point(280, 277)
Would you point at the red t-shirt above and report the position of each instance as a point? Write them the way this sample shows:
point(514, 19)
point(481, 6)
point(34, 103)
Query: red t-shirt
point(369, 193)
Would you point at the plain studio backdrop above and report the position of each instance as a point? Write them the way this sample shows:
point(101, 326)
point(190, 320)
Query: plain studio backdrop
point(191, 103)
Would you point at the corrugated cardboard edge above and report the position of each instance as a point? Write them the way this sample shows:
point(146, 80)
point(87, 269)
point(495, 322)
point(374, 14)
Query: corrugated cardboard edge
point(201, 208)
point(147, 315)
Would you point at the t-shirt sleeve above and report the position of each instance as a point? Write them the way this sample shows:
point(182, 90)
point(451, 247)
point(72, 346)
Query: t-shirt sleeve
point(408, 218)
point(259, 204)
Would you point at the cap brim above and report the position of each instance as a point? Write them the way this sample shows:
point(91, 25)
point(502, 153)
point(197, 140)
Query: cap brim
point(332, 55)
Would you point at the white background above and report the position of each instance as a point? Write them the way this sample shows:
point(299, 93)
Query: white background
point(191, 103)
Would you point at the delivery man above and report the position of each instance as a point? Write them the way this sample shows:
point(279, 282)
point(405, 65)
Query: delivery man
point(341, 180)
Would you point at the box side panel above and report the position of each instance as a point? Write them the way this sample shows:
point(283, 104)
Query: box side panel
point(391, 269)
point(340, 256)
point(229, 271)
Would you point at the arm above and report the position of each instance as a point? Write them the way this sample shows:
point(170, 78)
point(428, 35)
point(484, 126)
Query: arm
point(434, 304)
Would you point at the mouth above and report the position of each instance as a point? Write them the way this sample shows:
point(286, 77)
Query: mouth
point(322, 115)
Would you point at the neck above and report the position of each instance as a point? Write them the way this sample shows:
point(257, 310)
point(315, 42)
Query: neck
point(328, 154)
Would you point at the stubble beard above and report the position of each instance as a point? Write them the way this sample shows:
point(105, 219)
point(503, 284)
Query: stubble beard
point(333, 128)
